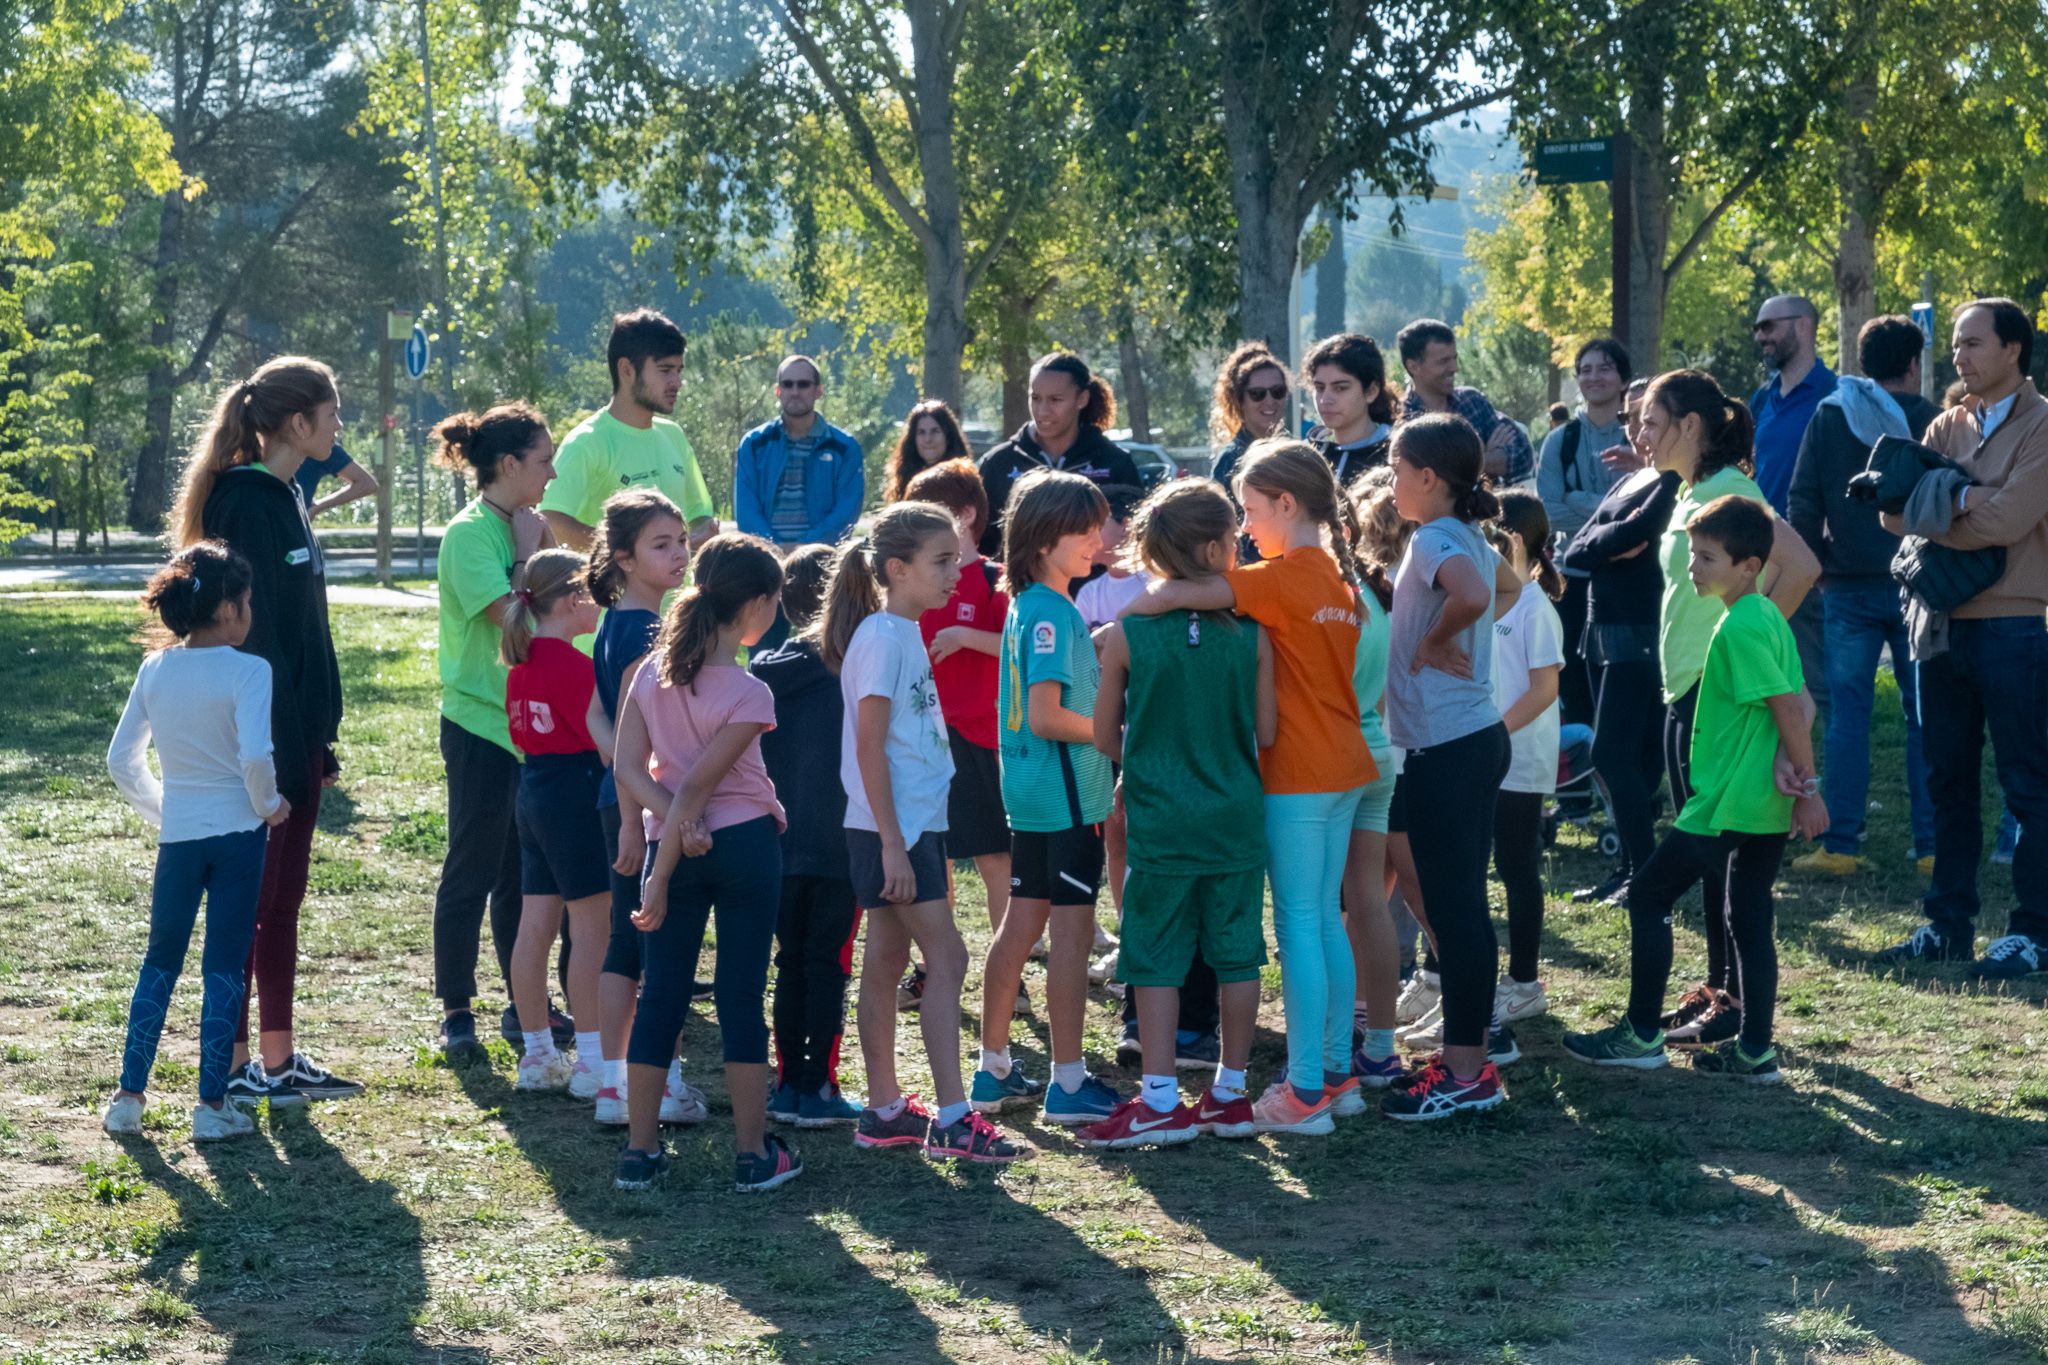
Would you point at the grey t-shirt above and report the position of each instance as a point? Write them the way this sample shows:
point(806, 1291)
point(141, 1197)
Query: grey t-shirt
point(1433, 707)
point(1570, 495)
point(790, 516)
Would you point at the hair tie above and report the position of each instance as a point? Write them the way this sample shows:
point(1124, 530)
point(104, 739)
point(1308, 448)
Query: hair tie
point(525, 596)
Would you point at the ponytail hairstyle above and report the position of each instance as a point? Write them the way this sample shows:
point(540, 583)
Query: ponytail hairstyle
point(472, 443)
point(552, 576)
point(855, 593)
point(1446, 445)
point(626, 516)
point(732, 570)
point(1169, 529)
point(1359, 356)
point(188, 593)
point(1382, 531)
point(1727, 431)
point(259, 406)
point(1098, 407)
point(1522, 514)
point(1279, 465)
point(1226, 404)
point(804, 577)
point(1045, 507)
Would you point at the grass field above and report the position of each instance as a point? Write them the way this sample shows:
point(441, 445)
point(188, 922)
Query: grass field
point(1890, 1203)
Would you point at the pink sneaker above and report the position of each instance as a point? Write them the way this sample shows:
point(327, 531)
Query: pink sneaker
point(1279, 1111)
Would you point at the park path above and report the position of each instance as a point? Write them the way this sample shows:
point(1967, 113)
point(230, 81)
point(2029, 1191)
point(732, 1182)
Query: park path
point(338, 594)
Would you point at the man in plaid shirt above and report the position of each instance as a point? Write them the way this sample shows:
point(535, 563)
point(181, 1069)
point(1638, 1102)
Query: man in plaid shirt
point(1429, 352)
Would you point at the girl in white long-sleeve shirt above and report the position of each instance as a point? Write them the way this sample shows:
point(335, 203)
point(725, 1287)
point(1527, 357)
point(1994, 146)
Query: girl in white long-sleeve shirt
point(207, 707)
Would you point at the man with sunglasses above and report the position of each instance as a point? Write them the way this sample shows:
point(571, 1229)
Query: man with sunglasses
point(798, 480)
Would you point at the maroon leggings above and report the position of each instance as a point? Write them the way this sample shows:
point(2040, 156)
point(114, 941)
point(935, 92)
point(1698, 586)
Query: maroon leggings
point(274, 956)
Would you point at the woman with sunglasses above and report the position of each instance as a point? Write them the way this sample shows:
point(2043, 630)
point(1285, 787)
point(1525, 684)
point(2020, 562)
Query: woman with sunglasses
point(798, 480)
point(1250, 404)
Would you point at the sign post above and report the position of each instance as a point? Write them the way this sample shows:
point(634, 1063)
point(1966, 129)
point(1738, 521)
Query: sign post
point(397, 328)
point(417, 353)
point(1923, 318)
point(1585, 160)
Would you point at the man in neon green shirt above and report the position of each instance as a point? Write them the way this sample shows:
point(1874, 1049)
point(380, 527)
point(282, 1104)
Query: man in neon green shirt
point(632, 442)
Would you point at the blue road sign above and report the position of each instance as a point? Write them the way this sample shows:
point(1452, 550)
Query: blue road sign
point(416, 353)
point(1923, 318)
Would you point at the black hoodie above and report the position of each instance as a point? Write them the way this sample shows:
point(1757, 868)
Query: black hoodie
point(260, 517)
point(802, 755)
point(1093, 456)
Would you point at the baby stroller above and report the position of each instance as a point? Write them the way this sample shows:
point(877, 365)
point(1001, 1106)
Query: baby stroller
point(1582, 796)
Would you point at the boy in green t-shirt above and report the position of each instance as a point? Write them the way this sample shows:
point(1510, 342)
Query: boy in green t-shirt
point(1753, 723)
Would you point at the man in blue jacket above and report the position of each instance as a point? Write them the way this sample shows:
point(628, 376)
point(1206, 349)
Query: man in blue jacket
point(798, 479)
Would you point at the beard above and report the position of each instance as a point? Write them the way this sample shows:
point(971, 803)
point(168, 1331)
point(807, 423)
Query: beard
point(652, 401)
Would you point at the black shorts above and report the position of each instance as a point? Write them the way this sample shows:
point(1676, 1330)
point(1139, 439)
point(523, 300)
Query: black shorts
point(927, 863)
point(975, 823)
point(1397, 807)
point(1061, 868)
point(561, 840)
point(622, 954)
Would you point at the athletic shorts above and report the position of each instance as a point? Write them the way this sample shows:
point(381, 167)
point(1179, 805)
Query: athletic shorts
point(864, 864)
point(975, 823)
point(561, 840)
point(622, 953)
point(1376, 799)
point(1062, 868)
point(1167, 915)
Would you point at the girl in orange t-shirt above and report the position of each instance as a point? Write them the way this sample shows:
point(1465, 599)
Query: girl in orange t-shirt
point(1305, 593)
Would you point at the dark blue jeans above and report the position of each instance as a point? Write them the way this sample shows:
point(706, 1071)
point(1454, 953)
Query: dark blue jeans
point(1860, 623)
point(227, 871)
point(740, 880)
point(1993, 678)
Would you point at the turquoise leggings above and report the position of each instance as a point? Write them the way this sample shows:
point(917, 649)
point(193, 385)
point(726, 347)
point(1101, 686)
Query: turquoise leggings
point(1307, 838)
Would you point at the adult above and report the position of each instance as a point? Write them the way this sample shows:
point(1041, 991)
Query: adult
point(797, 479)
point(1860, 606)
point(632, 442)
point(240, 488)
point(1691, 428)
point(1249, 403)
point(484, 553)
point(1429, 352)
point(356, 481)
point(1348, 376)
point(1572, 478)
point(1782, 408)
point(1070, 406)
point(1993, 675)
point(931, 436)
point(1559, 415)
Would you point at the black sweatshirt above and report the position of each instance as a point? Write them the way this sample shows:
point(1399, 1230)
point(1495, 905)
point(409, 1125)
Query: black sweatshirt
point(1854, 550)
point(1636, 511)
point(261, 518)
point(1092, 455)
point(802, 756)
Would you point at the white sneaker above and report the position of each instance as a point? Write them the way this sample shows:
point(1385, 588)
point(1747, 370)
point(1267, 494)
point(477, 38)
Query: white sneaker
point(611, 1108)
point(683, 1103)
point(211, 1125)
point(1514, 1001)
point(123, 1114)
point(1105, 941)
point(1103, 969)
point(1425, 1034)
point(1423, 991)
point(585, 1080)
point(543, 1071)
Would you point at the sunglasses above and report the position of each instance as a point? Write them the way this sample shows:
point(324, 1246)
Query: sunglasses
point(1259, 395)
point(794, 383)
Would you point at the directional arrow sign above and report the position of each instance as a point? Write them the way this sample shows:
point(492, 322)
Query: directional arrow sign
point(416, 353)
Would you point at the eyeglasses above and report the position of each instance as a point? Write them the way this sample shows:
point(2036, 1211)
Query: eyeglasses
point(795, 383)
point(1259, 395)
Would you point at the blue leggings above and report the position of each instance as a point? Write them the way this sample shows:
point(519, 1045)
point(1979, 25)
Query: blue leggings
point(1308, 836)
point(227, 870)
point(740, 880)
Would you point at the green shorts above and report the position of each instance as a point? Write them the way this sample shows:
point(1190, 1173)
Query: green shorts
point(1166, 915)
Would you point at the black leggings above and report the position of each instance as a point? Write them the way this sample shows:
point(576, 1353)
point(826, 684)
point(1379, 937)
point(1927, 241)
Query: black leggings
point(1449, 790)
point(1714, 879)
point(1518, 856)
point(482, 865)
point(1627, 733)
point(811, 932)
point(1746, 864)
point(739, 881)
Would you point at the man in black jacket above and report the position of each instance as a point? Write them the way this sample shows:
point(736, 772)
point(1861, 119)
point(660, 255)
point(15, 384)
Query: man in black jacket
point(1860, 601)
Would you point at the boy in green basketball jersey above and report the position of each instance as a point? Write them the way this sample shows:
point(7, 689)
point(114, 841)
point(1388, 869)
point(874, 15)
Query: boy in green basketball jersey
point(1182, 784)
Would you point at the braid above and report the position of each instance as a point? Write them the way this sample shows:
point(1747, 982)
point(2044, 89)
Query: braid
point(1340, 546)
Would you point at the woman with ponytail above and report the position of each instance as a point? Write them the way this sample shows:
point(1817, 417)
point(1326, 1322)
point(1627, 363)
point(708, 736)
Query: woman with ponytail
point(1071, 406)
point(239, 489)
point(1691, 428)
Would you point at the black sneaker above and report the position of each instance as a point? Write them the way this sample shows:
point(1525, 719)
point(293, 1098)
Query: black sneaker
point(910, 991)
point(1718, 1025)
point(1128, 1050)
point(1199, 1053)
point(249, 1084)
point(308, 1079)
point(1691, 1006)
point(458, 1036)
point(508, 1027)
point(2009, 958)
point(1500, 1045)
point(700, 989)
point(640, 1170)
point(1607, 892)
point(1927, 944)
point(1730, 1059)
point(560, 1025)
point(776, 1168)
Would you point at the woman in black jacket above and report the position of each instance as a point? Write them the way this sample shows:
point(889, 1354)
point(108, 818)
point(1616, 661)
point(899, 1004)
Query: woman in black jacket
point(1070, 407)
point(239, 489)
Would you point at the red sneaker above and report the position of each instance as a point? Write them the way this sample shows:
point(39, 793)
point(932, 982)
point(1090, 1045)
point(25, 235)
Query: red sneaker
point(1135, 1123)
point(1436, 1094)
point(1224, 1118)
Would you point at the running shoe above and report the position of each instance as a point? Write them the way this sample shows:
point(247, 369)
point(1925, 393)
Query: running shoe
point(908, 1129)
point(2009, 958)
point(611, 1108)
point(308, 1079)
point(1717, 1025)
point(562, 1026)
point(1102, 970)
point(458, 1036)
point(1092, 1103)
point(1618, 1045)
point(1500, 1044)
point(211, 1125)
point(1926, 944)
point(1607, 892)
point(1514, 1001)
point(1731, 1059)
point(826, 1111)
point(640, 1170)
point(771, 1171)
point(1436, 1094)
point(784, 1102)
point(1691, 1006)
point(992, 1094)
point(1225, 1118)
point(1280, 1110)
point(1347, 1098)
point(973, 1138)
point(1135, 1123)
point(682, 1104)
point(1419, 996)
point(1824, 862)
point(1022, 1009)
point(1425, 1034)
point(585, 1080)
point(1199, 1053)
point(1129, 1050)
point(1376, 1075)
point(251, 1084)
point(123, 1114)
point(1105, 941)
point(910, 993)
point(543, 1071)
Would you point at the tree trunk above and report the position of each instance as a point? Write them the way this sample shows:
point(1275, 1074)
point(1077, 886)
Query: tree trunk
point(1133, 402)
point(149, 497)
point(1650, 179)
point(1269, 221)
point(1014, 353)
point(946, 332)
point(1856, 249)
point(1330, 276)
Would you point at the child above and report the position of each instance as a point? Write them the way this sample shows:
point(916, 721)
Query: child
point(895, 764)
point(1752, 704)
point(1440, 710)
point(1181, 784)
point(1056, 789)
point(819, 913)
point(207, 706)
point(1100, 601)
point(713, 829)
point(550, 700)
point(639, 556)
point(1528, 660)
point(1304, 592)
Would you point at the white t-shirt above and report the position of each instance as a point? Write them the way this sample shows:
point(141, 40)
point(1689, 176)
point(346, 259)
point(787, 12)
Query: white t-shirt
point(1528, 636)
point(208, 711)
point(1102, 600)
point(886, 658)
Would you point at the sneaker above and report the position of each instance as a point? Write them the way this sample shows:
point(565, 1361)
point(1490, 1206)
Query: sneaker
point(1500, 1045)
point(1039, 952)
point(1092, 1103)
point(251, 1084)
point(908, 1129)
point(1419, 996)
point(1926, 944)
point(1225, 1118)
point(910, 994)
point(973, 1138)
point(1436, 1094)
point(1102, 970)
point(2008, 958)
point(123, 1114)
point(771, 1171)
point(1105, 941)
point(1199, 1053)
point(640, 1170)
point(1129, 1051)
point(560, 1025)
point(1717, 1025)
point(1606, 892)
point(611, 1107)
point(1376, 1075)
point(784, 1102)
point(508, 1027)
point(1135, 1123)
point(1425, 1034)
point(1618, 1045)
point(1347, 1098)
point(458, 1036)
point(1022, 1009)
point(825, 1111)
point(543, 1071)
point(585, 1080)
point(2008, 840)
point(1730, 1059)
point(1514, 1001)
point(211, 1125)
point(1827, 863)
point(991, 1094)
point(682, 1104)
point(309, 1080)
point(1691, 1006)
point(1279, 1110)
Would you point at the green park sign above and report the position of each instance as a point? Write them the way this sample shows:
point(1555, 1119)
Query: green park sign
point(1574, 161)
